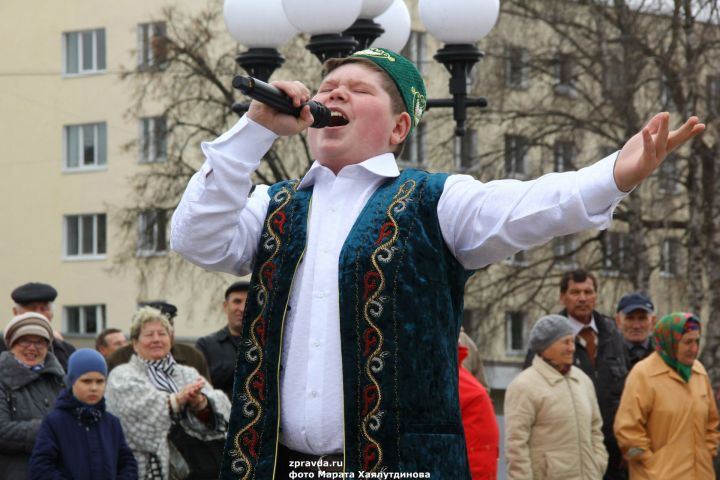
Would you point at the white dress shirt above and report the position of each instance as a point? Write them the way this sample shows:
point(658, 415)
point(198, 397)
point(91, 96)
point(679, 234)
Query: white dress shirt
point(217, 226)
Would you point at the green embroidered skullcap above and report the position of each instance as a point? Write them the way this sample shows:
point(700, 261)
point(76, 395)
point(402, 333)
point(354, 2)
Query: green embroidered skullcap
point(405, 75)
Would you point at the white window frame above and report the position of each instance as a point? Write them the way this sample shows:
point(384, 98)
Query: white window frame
point(147, 33)
point(518, 259)
point(99, 132)
point(149, 141)
point(514, 155)
point(563, 155)
point(670, 257)
point(510, 317)
point(516, 64)
point(560, 247)
point(713, 94)
point(667, 176)
point(95, 254)
point(665, 96)
point(147, 247)
point(81, 47)
point(100, 315)
point(616, 250)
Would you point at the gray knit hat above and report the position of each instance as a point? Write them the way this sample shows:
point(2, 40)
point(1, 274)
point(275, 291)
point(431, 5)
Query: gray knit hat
point(547, 331)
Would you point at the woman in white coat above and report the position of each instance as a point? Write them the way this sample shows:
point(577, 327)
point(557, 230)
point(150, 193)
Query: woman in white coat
point(552, 419)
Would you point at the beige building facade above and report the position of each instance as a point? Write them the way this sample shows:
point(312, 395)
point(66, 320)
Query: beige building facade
point(74, 153)
point(66, 168)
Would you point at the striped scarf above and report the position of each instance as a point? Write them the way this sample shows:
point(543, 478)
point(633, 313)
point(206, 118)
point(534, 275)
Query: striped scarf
point(161, 371)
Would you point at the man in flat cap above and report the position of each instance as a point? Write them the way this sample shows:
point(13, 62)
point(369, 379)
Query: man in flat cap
point(635, 318)
point(39, 297)
point(183, 354)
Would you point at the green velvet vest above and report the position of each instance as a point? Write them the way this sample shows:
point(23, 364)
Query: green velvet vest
point(401, 301)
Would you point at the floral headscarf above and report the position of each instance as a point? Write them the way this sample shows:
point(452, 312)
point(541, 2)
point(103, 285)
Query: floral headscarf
point(668, 332)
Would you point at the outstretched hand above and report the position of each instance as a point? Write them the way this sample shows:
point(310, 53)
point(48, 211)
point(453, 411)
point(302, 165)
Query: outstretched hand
point(646, 150)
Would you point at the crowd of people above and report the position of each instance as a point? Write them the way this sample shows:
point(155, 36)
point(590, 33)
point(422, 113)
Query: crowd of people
point(627, 399)
point(353, 328)
point(155, 416)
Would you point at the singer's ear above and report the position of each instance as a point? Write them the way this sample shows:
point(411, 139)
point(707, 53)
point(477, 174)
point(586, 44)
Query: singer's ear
point(402, 128)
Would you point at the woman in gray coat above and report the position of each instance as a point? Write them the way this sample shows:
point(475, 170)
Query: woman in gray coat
point(30, 379)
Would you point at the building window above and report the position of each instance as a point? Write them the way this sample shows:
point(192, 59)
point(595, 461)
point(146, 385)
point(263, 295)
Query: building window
point(564, 74)
point(516, 67)
point(670, 257)
point(607, 150)
point(152, 46)
point(564, 152)
point(713, 94)
point(414, 150)
point(668, 181)
point(516, 148)
point(564, 252)
point(468, 146)
point(84, 52)
point(615, 259)
point(515, 332)
point(415, 50)
point(153, 139)
point(85, 146)
point(615, 81)
point(84, 319)
point(518, 259)
point(666, 100)
point(152, 232)
point(85, 236)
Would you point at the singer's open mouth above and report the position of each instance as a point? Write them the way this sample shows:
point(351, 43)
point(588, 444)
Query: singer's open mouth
point(337, 119)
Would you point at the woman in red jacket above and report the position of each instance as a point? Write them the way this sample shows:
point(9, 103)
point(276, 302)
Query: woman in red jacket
point(481, 429)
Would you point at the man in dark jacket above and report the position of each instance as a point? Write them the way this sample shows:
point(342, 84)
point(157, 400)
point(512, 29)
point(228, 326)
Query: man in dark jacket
point(220, 348)
point(599, 352)
point(183, 354)
point(39, 298)
point(635, 318)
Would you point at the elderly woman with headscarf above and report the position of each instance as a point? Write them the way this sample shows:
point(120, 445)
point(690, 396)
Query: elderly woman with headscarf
point(156, 398)
point(667, 422)
point(553, 426)
point(30, 379)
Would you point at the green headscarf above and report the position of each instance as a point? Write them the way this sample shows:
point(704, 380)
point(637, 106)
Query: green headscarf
point(668, 332)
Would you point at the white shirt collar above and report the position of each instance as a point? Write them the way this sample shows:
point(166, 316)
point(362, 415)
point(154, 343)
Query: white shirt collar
point(383, 165)
point(578, 325)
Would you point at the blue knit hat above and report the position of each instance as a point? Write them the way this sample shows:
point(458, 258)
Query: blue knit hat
point(83, 361)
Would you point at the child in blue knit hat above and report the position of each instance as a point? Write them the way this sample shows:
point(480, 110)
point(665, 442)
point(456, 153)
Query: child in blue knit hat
point(78, 439)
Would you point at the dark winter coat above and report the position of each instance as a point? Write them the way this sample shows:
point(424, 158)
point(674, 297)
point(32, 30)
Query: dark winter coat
point(73, 444)
point(220, 352)
point(25, 398)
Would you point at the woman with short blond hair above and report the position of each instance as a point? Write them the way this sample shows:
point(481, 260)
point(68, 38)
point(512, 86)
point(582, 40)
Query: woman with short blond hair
point(154, 397)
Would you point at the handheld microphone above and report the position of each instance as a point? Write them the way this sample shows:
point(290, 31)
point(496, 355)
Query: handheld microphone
point(275, 98)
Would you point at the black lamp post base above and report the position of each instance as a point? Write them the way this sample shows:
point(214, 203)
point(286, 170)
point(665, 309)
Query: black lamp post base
point(331, 46)
point(365, 32)
point(260, 62)
point(459, 60)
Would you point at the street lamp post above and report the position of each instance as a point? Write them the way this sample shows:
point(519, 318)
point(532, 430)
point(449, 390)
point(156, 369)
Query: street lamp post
point(337, 29)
